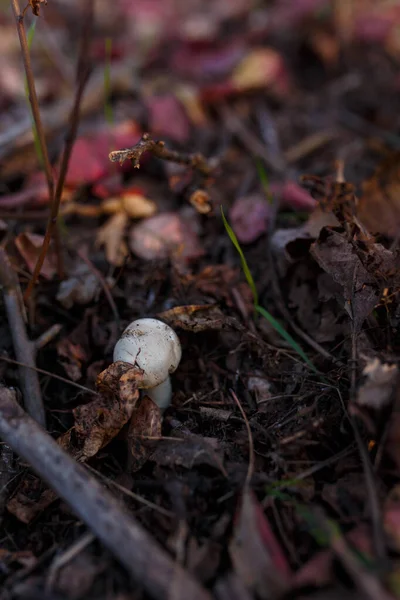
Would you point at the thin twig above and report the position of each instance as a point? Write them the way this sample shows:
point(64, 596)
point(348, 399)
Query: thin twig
point(149, 565)
point(24, 349)
point(82, 78)
point(49, 374)
point(250, 469)
point(33, 99)
point(157, 148)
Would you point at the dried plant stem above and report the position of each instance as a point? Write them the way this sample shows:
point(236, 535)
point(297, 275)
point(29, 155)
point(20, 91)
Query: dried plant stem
point(149, 565)
point(24, 349)
point(34, 103)
point(82, 78)
point(33, 99)
point(157, 148)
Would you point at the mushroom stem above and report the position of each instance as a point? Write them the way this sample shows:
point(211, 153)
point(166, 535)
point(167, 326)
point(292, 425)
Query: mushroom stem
point(161, 394)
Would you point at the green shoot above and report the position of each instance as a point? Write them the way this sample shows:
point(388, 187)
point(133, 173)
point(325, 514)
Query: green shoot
point(38, 149)
point(245, 267)
point(264, 180)
point(286, 336)
point(262, 311)
point(108, 110)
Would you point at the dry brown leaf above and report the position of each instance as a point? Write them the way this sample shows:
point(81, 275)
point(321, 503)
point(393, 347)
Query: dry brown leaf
point(99, 421)
point(29, 246)
point(194, 317)
point(111, 236)
point(30, 499)
point(145, 422)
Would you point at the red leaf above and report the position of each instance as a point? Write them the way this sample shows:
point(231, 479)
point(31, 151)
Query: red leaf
point(167, 117)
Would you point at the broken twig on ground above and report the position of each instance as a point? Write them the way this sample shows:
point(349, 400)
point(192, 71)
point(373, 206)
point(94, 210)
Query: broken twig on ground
point(24, 349)
point(143, 558)
point(158, 149)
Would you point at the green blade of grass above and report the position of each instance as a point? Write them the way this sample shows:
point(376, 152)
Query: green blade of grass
point(263, 177)
point(245, 267)
point(286, 336)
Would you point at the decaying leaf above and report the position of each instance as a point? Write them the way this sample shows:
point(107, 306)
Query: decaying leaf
point(30, 499)
point(346, 263)
point(29, 246)
point(145, 423)
point(194, 318)
point(380, 379)
point(256, 555)
point(111, 235)
point(164, 235)
point(379, 205)
point(99, 421)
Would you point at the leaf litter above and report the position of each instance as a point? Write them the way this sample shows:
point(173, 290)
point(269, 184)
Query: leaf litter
point(314, 89)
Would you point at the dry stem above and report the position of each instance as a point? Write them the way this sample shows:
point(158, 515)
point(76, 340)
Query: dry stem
point(143, 558)
point(82, 77)
point(24, 349)
point(157, 148)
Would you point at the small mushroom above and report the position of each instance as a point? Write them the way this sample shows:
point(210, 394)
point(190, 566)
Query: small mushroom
point(155, 348)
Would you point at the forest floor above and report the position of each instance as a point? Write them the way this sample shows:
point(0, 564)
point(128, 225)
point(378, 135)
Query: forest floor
point(265, 230)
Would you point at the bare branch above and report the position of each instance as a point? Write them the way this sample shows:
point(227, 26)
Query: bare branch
point(143, 558)
point(157, 148)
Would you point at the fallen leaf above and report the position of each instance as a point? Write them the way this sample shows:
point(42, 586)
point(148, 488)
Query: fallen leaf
point(261, 68)
point(379, 206)
point(145, 422)
point(111, 235)
point(361, 288)
point(256, 555)
point(99, 421)
point(136, 205)
point(164, 235)
point(192, 450)
point(71, 357)
point(194, 318)
point(30, 499)
point(29, 246)
point(167, 118)
point(380, 379)
point(249, 217)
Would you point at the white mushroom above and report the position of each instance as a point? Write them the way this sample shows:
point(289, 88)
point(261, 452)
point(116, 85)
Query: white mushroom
point(155, 348)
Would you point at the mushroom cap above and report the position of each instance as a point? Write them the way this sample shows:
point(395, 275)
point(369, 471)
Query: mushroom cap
point(151, 345)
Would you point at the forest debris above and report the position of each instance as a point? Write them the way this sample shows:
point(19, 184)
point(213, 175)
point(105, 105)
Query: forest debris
point(111, 235)
point(99, 421)
point(29, 246)
point(145, 561)
point(145, 423)
point(147, 144)
point(257, 558)
point(164, 235)
point(249, 216)
point(361, 291)
point(380, 379)
point(80, 288)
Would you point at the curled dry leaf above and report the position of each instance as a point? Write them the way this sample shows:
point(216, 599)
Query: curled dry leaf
point(29, 246)
point(194, 317)
point(99, 421)
point(380, 379)
point(164, 235)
